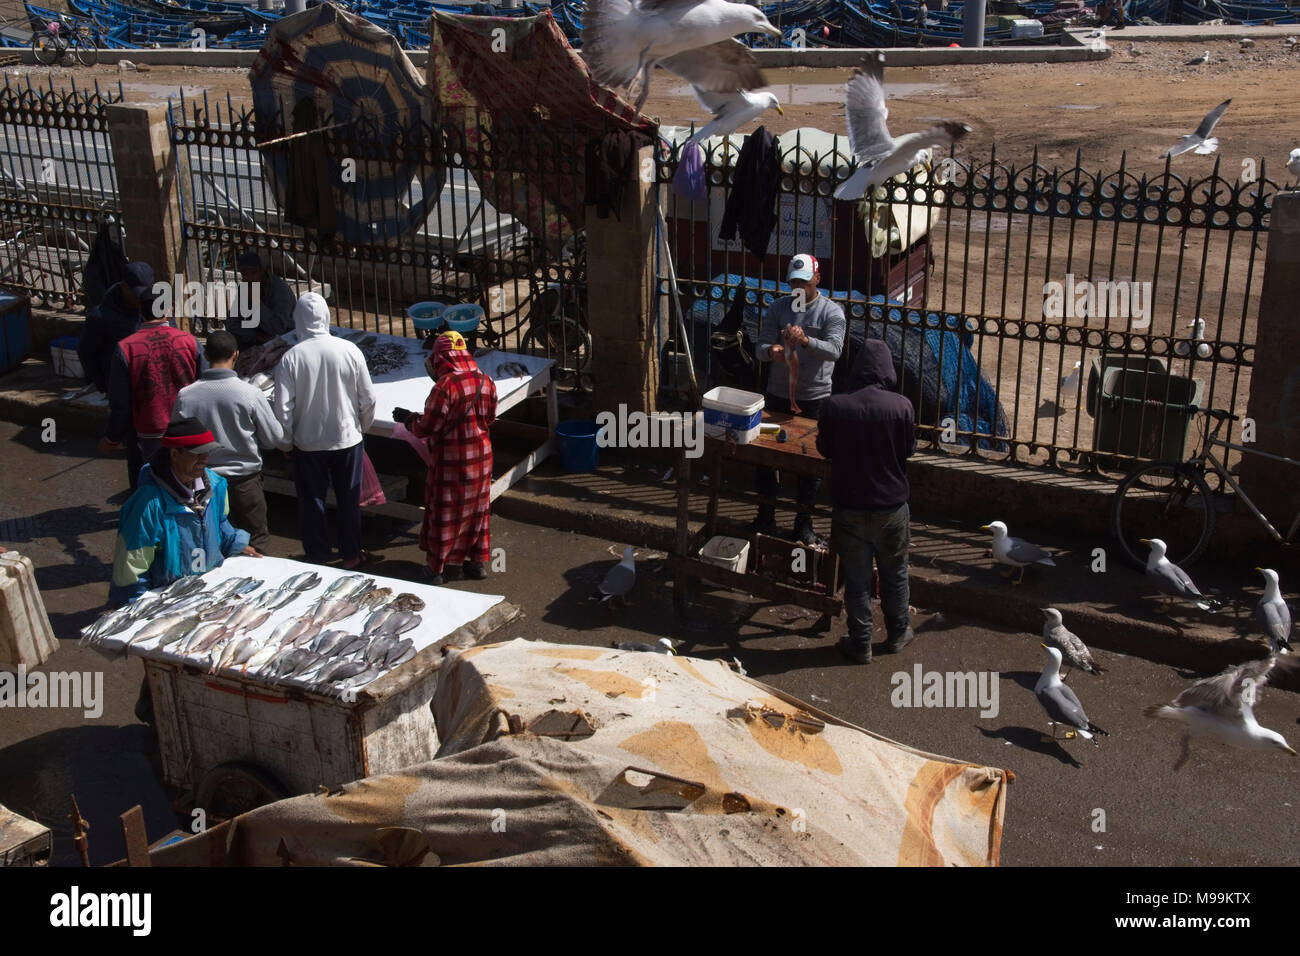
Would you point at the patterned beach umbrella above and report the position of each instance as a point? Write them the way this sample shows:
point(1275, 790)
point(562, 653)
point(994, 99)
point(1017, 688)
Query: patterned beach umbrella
point(345, 124)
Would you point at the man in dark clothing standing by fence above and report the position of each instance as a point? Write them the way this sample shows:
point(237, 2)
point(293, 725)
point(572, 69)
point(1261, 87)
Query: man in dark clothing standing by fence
point(118, 315)
point(868, 434)
point(149, 368)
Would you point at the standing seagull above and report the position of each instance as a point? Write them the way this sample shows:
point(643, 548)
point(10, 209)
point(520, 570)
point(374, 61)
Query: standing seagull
point(1072, 649)
point(1173, 580)
point(1060, 702)
point(624, 39)
point(1201, 60)
point(1273, 614)
point(1203, 349)
point(1223, 707)
point(1201, 140)
point(1293, 162)
point(619, 579)
point(1015, 552)
point(881, 156)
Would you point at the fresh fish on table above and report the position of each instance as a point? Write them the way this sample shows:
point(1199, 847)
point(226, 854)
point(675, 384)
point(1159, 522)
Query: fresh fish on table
point(399, 624)
point(236, 651)
point(306, 581)
point(203, 638)
point(234, 587)
point(511, 370)
point(360, 680)
point(261, 658)
point(327, 611)
point(108, 624)
point(350, 587)
point(151, 630)
point(328, 641)
point(402, 652)
point(339, 670)
point(376, 620)
point(376, 597)
point(178, 630)
point(220, 611)
point(792, 363)
point(378, 650)
point(351, 646)
point(182, 587)
point(247, 617)
point(406, 601)
point(274, 600)
point(146, 606)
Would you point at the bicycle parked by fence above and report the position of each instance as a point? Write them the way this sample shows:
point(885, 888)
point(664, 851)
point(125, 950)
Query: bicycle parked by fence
point(1173, 501)
point(62, 38)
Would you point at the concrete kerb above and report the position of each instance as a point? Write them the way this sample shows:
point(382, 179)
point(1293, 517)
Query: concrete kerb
point(973, 594)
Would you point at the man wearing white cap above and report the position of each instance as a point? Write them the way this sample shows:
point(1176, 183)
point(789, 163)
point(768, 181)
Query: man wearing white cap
point(812, 327)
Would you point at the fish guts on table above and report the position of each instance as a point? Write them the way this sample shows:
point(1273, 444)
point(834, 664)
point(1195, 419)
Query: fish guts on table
point(213, 626)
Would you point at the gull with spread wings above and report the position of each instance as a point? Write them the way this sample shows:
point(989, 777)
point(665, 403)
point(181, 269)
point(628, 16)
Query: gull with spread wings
point(881, 156)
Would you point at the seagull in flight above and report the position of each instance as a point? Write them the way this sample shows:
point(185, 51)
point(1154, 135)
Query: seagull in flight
point(624, 39)
point(1223, 707)
point(1201, 140)
point(881, 156)
point(731, 109)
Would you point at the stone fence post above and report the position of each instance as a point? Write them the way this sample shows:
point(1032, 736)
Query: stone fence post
point(1275, 380)
point(622, 308)
point(148, 186)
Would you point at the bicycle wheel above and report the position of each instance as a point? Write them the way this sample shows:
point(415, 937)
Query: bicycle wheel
point(46, 48)
point(565, 340)
point(1164, 500)
point(86, 49)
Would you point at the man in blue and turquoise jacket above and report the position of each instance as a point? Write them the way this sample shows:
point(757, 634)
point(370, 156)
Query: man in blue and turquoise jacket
point(176, 523)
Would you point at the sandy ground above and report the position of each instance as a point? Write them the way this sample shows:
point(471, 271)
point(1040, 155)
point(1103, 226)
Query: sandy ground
point(1139, 103)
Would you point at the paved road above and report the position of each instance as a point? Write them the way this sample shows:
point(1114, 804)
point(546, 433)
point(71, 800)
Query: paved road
point(1223, 807)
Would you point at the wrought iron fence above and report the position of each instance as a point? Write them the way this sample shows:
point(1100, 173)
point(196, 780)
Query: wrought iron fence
point(486, 212)
point(57, 185)
point(1060, 317)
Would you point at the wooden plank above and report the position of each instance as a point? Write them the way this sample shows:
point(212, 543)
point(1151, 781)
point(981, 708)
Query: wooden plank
point(137, 842)
point(755, 585)
point(512, 477)
point(23, 842)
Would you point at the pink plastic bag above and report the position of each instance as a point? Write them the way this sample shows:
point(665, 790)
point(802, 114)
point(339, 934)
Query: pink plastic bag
point(419, 444)
point(372, 493)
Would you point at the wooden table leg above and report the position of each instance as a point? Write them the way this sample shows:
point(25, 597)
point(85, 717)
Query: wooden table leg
point(680, 604)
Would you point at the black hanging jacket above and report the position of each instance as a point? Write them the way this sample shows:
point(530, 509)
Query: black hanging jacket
point(751, 207)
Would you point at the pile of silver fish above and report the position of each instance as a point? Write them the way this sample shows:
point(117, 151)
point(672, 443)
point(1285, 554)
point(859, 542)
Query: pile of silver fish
point(212, 626)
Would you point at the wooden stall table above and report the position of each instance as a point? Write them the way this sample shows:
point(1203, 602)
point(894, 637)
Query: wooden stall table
point(796, 455)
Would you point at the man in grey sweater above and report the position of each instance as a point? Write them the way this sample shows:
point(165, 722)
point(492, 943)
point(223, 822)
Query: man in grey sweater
point(240, 418)
point(811, 326)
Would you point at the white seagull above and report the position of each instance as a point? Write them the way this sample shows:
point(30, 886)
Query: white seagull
point(731, 109)
point(1070, 383)
point(1073, 650)
point(881, 156)
point(1293, 162)
point(1199, 60)
point(1223, 707)
point(1015, 552)
point(1173, 580)
point(624, 39)
point(1061, 703)
point(1273, 615)
point(619, 579)
point(1201, 140)
point(1203, 349)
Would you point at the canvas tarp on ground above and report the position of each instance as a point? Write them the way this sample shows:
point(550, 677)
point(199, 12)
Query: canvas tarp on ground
point(561, 755)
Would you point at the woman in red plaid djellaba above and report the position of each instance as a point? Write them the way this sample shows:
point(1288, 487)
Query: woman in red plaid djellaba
point(458, 491)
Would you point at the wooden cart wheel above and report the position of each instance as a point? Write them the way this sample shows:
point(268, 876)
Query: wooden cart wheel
point(230, 789)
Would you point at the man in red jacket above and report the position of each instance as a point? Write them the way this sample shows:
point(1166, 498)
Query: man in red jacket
point(148, 369)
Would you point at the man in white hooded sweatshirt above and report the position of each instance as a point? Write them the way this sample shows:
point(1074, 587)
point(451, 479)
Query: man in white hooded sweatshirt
point(325, 401)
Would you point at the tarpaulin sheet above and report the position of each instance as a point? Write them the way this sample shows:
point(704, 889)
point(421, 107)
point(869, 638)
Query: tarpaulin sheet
point(567, 755)
point(519, 104)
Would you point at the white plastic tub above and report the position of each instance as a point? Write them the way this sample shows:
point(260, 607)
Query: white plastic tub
point(732, 412)
point(730, 553)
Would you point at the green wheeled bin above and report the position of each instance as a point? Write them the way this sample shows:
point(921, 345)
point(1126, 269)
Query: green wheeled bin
point(1144, 413)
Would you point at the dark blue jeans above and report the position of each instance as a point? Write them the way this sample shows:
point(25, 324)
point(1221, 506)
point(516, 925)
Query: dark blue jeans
point(859, 537)
point(313, 473)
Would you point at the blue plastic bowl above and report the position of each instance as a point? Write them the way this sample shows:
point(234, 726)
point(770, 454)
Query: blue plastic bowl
point(463, 318)
point(427, 316)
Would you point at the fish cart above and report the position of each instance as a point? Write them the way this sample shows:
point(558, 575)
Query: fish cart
point(231, 741)
point(769, 558)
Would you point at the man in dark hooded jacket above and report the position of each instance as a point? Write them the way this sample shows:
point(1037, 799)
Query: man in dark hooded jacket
point(868, 433)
